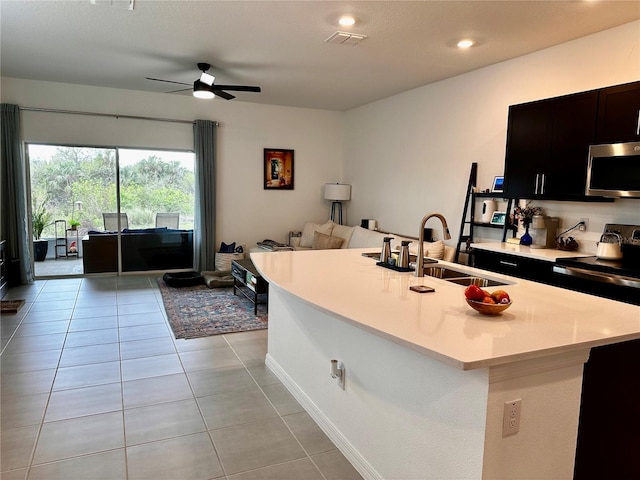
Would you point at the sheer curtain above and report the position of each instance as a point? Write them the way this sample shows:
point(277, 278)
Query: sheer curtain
point(204, 135)
point(14, 227)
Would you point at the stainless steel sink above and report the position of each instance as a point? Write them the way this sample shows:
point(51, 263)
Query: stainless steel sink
point(478, 281)
point(460, 278)
point(444, 272)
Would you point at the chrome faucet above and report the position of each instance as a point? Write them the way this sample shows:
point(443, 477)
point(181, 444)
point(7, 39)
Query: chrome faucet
point(445, 233)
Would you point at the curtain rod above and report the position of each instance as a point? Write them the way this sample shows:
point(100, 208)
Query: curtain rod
point(133, 117)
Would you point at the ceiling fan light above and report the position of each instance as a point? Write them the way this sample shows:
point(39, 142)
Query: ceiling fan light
point(203, 94)
point(201, 90)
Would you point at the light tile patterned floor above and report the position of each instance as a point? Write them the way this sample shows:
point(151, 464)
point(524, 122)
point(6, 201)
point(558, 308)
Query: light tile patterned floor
point(94, 386)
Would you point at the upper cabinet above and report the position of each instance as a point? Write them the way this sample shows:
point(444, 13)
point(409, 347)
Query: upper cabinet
point(548, 140)
point(547, 146)
point(619, 114)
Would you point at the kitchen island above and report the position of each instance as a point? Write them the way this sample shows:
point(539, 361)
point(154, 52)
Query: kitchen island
point(426, 377)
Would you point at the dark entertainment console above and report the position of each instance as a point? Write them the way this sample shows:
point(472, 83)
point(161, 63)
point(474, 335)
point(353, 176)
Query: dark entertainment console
point(249, 283)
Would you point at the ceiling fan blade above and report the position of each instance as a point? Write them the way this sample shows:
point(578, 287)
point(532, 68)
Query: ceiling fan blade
point(236, 88)
point(166, 81)
point(221, 94)
point(181, 90)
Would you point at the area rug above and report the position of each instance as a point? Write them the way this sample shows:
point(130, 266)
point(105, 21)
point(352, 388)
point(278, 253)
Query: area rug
point(201, 311)
point(11, 306)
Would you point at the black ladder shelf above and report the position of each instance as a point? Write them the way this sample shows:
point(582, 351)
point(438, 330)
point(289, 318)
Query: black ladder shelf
point(470, 212)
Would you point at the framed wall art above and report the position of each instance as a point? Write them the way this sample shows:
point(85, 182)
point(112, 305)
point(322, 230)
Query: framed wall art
point(278, 169)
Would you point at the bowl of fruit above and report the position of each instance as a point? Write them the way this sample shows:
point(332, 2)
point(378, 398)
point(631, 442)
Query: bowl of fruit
point(486, 303)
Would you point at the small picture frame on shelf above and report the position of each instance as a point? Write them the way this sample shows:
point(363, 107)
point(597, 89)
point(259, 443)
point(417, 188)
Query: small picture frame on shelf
point(498, 218)
point(498, 184)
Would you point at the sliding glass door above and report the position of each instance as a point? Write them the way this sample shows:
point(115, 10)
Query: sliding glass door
point(157, 199)
point(133, 209)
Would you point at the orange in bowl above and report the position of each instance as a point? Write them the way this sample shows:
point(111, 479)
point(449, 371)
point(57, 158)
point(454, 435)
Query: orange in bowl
point(488, 308)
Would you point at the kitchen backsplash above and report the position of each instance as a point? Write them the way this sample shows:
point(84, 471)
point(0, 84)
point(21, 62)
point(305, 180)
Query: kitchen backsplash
point(626, 211)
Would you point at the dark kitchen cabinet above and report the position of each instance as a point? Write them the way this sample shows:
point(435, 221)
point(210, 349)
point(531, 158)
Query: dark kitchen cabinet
point(619, 114)
point(547, 146)
point(514, 265)
point(608, 448)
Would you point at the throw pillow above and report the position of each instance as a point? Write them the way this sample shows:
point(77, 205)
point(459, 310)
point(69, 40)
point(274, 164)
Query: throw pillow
point(224, 248)
point(325, 242)
point(310, 228)
point(344, 232)
point(434, 249)
point(364, 238)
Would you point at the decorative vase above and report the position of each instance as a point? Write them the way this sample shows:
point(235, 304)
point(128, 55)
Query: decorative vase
point(526, 239)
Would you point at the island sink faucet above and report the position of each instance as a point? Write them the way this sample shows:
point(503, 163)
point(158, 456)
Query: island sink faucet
point(445, 233)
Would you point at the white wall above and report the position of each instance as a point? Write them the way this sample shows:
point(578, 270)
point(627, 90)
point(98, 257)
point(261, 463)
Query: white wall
point(411, 154)
point(405, 155)
point(246, 212)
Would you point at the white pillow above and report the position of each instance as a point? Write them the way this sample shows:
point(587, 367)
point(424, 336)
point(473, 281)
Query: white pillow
point(431, 249)
point(344, 232)
point(310, 228)
point(434, 249)
point(363, 238)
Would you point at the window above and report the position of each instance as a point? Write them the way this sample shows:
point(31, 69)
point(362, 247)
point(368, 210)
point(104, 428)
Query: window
point(152, 190)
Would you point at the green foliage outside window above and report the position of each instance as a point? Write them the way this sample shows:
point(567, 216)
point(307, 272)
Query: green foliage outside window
point(88, 175)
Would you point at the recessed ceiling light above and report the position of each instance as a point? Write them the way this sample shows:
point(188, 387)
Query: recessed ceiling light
point(466, 43)
point(347, 21)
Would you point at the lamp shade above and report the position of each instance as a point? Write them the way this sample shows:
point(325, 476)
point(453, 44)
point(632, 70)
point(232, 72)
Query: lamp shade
point(337, 191)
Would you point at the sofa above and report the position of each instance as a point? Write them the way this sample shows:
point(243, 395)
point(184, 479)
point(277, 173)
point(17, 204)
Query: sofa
point(142, 249)
point(332, 235)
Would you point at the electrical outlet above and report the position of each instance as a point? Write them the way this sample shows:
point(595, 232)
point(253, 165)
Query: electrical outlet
point(585, 225)
point(511, 417)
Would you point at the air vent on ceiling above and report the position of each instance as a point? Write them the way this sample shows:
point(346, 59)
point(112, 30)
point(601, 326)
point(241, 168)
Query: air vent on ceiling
point(119, 4)
point(345, 38)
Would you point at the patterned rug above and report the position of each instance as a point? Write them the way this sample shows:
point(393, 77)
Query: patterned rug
point(201, 311)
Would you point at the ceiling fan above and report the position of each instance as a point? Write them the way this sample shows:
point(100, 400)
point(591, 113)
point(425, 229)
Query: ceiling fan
point(205, 88)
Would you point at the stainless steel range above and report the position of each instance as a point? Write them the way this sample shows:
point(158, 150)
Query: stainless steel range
point(615, 279)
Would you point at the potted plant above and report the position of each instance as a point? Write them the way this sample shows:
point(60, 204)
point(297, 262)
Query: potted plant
point(74, 224)
point(40, 219)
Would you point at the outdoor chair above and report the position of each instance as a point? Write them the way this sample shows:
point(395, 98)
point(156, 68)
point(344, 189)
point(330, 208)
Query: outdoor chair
point(111, 221)
point(168, 220)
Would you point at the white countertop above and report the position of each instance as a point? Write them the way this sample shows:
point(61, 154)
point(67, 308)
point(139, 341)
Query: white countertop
point(546, 254)
point(541, 321)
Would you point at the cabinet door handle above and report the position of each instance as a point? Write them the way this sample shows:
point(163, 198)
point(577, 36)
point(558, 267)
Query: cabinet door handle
point(508, 264)
point(638, 124)
point(544, 178)
point(537, 182)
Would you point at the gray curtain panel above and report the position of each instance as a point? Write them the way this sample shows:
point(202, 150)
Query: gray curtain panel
point(14, 227)
point(204, 235)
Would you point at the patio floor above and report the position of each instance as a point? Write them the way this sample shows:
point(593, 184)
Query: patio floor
point(59, 267)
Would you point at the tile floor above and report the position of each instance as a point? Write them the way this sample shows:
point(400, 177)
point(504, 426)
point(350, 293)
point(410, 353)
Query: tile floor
point(94, 386)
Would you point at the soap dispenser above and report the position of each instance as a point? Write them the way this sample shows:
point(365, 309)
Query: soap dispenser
point(386, 249)
point(403, 259)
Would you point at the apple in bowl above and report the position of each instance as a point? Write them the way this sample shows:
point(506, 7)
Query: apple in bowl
point(487, 303)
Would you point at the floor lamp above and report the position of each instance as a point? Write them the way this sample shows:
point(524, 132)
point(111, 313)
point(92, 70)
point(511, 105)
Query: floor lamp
point(337, 193)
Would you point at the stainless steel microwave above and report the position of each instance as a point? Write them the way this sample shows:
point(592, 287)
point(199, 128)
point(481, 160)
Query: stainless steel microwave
point(614, 170)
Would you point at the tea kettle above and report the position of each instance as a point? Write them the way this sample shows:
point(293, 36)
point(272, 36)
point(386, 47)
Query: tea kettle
point(609, 247)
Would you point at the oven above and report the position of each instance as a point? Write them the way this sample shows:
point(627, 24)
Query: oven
point(614, 279)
